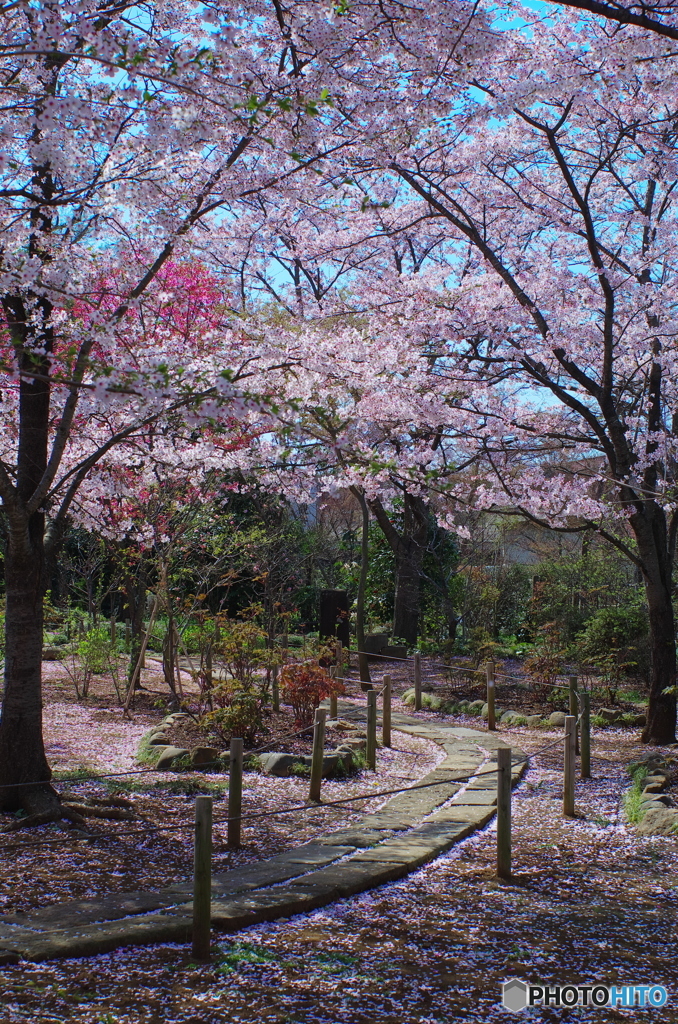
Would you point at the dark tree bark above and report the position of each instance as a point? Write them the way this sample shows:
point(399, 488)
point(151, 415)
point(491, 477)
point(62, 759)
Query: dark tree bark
point(409, 547)
point(22, 752)
point(363, 663)
point(653, 539)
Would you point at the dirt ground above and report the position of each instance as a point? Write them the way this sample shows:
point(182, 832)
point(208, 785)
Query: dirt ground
point(590, 900)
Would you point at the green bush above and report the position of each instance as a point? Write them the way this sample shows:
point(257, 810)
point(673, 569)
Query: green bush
point(242, 713)
point(616, 643)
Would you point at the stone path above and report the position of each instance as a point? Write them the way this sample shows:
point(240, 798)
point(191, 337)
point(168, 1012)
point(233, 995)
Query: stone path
point(411, 828)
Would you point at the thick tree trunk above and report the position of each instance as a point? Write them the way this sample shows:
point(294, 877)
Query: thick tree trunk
point(407, 600)
point(408, 546)
point(22, 753)
point(135, 599)
point(363, 663)
point(651, 536)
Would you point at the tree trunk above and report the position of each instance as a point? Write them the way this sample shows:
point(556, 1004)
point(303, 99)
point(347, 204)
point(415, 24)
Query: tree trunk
point(409, 547)
point(651, 536)
point(135, 594)
point(22, 752)
point(363, 663)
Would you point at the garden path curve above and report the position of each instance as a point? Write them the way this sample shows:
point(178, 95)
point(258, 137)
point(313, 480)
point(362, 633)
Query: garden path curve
point(410, 829)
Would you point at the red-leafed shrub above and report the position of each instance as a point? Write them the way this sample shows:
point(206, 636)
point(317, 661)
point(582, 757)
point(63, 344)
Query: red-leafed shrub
point(304, 687)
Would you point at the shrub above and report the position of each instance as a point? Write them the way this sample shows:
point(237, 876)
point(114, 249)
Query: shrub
point(241, 712)
point(615, 642)
point(304, 687)
point(547, 657)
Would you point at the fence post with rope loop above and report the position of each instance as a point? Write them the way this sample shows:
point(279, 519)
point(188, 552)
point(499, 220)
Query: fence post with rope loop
point(574, 707)
point(317, 755)
point(202, 878)
point(417, 682)
point(585, 735)
point(491, 718)
point(234, 793)
point(334, 674)
point(371, 751)
point(386, 713)
point(504, 812)
point(569, 759)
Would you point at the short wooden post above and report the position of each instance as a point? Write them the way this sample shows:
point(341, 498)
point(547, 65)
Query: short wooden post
point(371, 750)
point(333, 695)
point(386, 713)
point(585, 735)
point(340, 660)
point(202, 878)
point(504, 812)
point(317, 755)
point(417, 682)
point(569, 760)
point(209, 679)
point(491, 722)
point(275, 689)
point(574, 707)
point(235, 794)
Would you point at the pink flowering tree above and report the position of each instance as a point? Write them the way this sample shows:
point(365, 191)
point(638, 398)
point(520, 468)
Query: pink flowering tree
point(556, 326)
point(133, 134)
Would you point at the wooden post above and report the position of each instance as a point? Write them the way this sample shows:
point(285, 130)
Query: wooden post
point(504, 812)
point(340, 660)
point(585, 735)
point(371, 751)
point(574, 708)
point(202, 878)
point(208, 667)
point(568, 767)
point(275, 689)
point(333, 696)
point(317, 755)
point(113, 629)
point(235, 793)
point(386, 713)
point(491, 722)
point(417, 682)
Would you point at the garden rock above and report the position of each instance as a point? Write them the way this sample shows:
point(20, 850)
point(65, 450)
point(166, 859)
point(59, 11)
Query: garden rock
point(533, 721)
point(639, 720)
point(279, 764)
point(653, 799)
point(158, 739)
point(484, 712)
point(659, 821)
point(201, 756)
point(168, 757)
point(557, 718)
point(353, 743)
point(54, 653)
point(476, 705)
point(610, 715)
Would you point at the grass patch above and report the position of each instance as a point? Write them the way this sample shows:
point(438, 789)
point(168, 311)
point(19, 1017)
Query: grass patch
point(632, 798)
point(231, 958)
point(146, 754)
point(75, 775)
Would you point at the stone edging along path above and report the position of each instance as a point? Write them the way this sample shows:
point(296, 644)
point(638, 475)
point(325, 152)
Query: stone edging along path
point(412, 828)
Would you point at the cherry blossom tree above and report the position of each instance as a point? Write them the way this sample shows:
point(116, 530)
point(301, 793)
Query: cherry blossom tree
point(558, 335)
point(131, 133)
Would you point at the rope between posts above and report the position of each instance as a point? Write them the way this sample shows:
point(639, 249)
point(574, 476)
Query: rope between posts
point(342, 801)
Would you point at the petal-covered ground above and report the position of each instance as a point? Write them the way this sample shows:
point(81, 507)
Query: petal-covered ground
point(590, 900)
